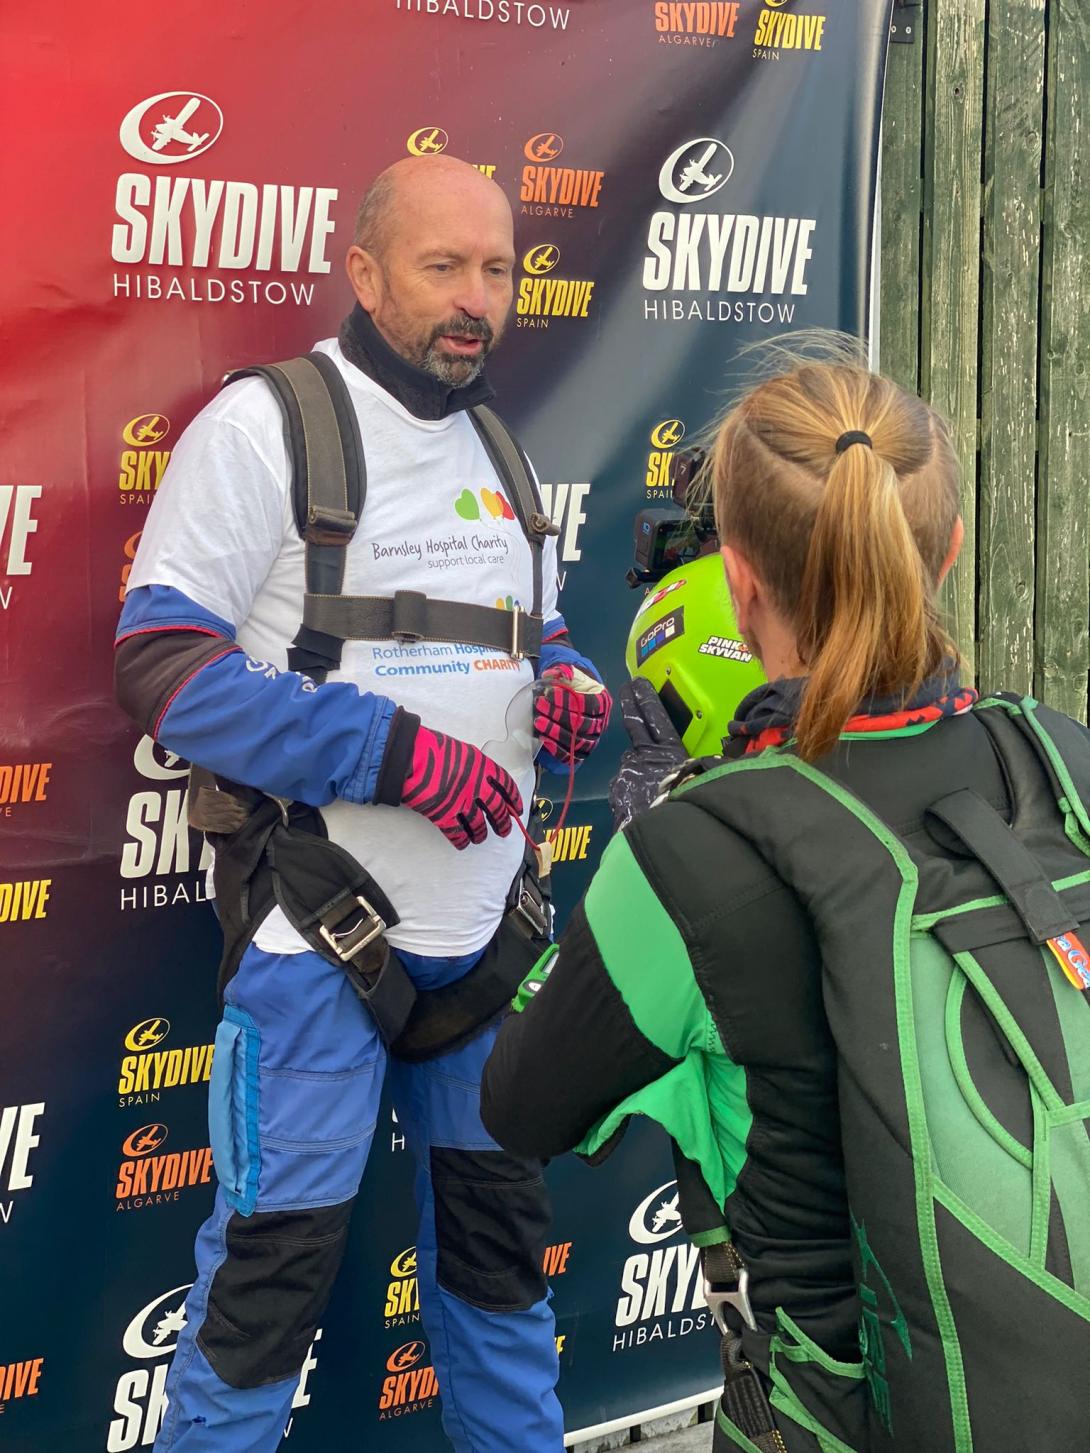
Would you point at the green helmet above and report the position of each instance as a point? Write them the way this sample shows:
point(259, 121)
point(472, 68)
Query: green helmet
point(685, 641)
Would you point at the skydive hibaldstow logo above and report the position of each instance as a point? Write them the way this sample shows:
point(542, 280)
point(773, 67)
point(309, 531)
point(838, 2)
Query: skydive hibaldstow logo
point(662, 1290)
point(696, 170)
point(149, 1341)
point(192, 223)
point(657, 1217)
point(757, 259)
point(171, 127)
point(159, 843)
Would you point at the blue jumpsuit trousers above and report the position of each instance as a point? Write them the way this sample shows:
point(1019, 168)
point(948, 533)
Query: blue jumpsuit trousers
point(294, 1099)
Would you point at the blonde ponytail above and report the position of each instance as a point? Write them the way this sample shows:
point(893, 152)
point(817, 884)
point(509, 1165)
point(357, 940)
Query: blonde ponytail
point(849, 542)
point(862, 604)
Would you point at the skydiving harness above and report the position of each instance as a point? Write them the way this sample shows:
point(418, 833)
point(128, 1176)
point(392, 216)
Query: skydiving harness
point(744, 1400)
point(272, 851)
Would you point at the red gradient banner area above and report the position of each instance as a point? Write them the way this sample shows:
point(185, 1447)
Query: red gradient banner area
point(180, 186)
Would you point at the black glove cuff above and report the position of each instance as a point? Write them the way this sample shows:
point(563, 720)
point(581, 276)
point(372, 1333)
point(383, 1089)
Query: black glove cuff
point(396, 758)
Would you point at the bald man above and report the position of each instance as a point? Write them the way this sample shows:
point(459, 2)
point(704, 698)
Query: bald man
point(389, 747)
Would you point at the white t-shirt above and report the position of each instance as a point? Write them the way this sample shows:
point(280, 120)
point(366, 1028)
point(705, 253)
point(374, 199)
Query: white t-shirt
point(222, 531)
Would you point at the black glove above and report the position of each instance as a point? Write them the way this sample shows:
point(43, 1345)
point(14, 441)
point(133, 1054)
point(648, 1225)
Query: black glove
point(655, 751)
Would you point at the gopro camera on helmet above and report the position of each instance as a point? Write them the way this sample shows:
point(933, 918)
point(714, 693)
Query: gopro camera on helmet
point(667, 536)
point(685, 640)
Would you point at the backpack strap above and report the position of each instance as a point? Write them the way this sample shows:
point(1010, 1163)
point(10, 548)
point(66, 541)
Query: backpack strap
point(329, 486)
point(510, 464)
point(1024, 882)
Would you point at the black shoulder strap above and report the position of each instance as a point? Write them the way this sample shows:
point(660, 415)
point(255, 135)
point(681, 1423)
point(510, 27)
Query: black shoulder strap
point(511, 466)
point(329, 484)
point(1017, 872)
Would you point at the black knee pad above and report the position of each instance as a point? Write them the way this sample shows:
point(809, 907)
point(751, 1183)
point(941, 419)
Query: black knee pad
point(492, 1219)
point(268, 1297)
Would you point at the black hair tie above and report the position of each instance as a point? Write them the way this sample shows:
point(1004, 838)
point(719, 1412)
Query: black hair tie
point(853, 436)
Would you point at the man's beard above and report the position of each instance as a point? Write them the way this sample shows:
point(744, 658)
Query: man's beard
point(454, 371)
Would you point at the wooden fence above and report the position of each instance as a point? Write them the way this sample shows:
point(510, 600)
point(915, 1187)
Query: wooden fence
point(985, 302)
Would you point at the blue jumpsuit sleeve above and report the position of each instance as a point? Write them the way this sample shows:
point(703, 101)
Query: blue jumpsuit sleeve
point(244, 719)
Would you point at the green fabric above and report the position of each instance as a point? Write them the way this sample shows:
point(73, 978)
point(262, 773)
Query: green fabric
point(978, 1168)
point(1036, 1274)
point(645, 955)
point(1009, 1025)
point(802, 1348)
point(1069, 1155)
point(706, 1115)
point(786, 1401)
point(955, 1048)
point(531, 985)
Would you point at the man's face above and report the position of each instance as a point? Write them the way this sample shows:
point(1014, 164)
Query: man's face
point(442, 284)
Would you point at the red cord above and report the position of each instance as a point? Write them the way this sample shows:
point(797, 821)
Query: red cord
point(568, 795)
point(563, 811)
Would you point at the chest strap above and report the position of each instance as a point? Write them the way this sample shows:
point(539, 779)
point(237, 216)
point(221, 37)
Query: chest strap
point(329, 489)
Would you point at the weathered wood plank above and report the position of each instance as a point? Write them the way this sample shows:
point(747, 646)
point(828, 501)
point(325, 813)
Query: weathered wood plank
point(1063, 518)
point(951, 298)
point(902, 210)
point(1014, 127)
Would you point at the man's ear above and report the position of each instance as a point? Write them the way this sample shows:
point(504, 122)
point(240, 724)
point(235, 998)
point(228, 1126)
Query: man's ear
point(957, 537)
point(365, 275)
point(742, 584)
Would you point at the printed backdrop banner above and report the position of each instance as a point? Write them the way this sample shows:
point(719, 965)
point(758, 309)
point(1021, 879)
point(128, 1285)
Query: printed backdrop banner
point(179, 187)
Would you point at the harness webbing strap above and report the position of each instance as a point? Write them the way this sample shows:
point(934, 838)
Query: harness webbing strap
point(329, 487)
point(409, 615)
point(509, 464)
point(329, 484)
point(994, 845)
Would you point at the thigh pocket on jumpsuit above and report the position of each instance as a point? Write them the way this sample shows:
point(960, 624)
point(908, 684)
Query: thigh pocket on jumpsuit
point(234, 1109)
point(492, 1219)
point(826, 1397)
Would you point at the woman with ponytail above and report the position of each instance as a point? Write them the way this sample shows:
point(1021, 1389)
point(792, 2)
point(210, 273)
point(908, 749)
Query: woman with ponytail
point(843, 966)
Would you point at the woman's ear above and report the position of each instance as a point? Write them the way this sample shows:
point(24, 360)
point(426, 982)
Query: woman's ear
point(957, 537)
point(742, 584)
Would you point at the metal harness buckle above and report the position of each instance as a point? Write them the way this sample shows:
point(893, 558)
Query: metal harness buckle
point(718, 1295)
point(347, 942)
point(531, 909)
point(516, 649)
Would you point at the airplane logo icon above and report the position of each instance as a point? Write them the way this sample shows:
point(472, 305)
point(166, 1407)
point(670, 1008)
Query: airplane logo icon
point(696, 170)
point(171, 127)
point(545, 146)
point(428, 141)
point(146, 429)
point(542, 258)
point(147, 1034)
